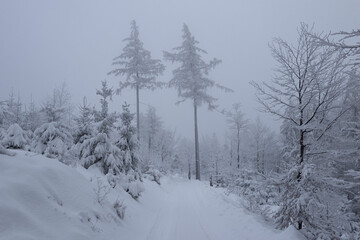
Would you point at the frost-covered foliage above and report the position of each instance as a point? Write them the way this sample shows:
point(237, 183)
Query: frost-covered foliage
point(127, 142)
point(99, 150)
point(131, 182)
point(136, 64)
point(150, 138)
point(191, 81)
point(344, 140)
point(15, 137)
point(2, 133)
point(31, 117)
point(84, 123)
point(57, 107)
point(120, 208)
point(153, 175)
point(5, 114)
point(157, 145)
point(237, 123)
point(304, 94)
point(52, 139)
point(343, 41)
point(105, 120)
point(314, 203)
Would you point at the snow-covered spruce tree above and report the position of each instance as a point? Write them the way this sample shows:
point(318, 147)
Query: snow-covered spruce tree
point(127, 142)
point(53, 138)
point(57, 107)
point(85, 127)
point(10, 111)
point(99, 150)
point(15, 137)
point(191, 81)
point(237, 123)
point(85, 123)
point(139, 69)
point(130, 179)
point(304, 94)
point(14, 106)
point(345, 142)
point(347, 162)
point(32, 117)
point(4, 114)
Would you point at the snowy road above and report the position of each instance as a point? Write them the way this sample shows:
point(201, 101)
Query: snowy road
point(43, 199)
point(183, 210)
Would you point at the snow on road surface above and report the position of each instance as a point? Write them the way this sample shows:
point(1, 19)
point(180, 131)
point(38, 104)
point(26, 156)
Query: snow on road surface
point(41, 198)
point(184, 209)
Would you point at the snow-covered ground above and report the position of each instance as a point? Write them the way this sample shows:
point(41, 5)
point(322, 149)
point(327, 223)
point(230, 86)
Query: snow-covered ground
point(41, 198)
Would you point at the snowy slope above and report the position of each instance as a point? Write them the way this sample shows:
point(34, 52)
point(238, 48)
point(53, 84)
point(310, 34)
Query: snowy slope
point(44, 199)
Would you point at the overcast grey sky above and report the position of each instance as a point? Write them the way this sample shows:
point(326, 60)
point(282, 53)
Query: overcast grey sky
point(44, 43)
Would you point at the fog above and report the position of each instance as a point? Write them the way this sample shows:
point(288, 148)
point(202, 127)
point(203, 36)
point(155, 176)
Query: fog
point(45, 43)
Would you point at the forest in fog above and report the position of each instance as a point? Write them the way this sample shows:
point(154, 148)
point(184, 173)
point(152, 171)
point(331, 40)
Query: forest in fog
point(305, 175)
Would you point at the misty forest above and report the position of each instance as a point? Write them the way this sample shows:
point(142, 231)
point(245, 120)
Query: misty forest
point(107, 162)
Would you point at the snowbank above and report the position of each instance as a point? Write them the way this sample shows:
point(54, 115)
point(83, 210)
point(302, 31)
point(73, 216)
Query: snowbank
point(44, 199)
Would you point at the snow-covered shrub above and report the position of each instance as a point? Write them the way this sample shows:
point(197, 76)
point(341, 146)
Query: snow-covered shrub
point(15, 137)
point(101, 191)
point(220, 181)
point(120, 208)
point(100, 151)
point(153, 175)
point(314, 203)
point(130, 182)
point(6, 152)
point(135, 188)
point(51, 139)
point(85, 124)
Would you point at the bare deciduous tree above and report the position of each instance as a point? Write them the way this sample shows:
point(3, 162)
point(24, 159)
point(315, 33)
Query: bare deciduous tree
point(237, 123)
point(304, 92)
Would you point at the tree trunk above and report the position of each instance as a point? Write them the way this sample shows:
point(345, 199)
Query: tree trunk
point(231, 153)
point(301, 160)
point(301, 142)
point(197, 157)
point(137, 113)
point(257, 157)
point(189, 172)
point(238, 148)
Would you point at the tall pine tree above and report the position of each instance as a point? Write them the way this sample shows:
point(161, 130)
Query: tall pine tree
point(139, 69)
point(191, 81)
